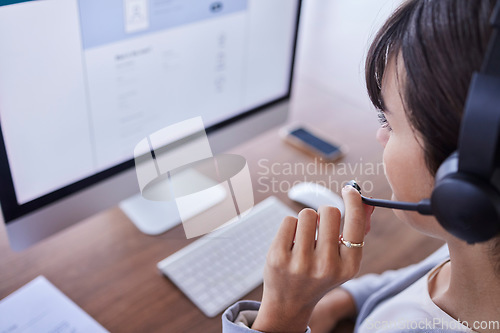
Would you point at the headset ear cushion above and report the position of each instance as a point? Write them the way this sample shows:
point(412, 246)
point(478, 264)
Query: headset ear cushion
point(466, 206)
point(448, 167)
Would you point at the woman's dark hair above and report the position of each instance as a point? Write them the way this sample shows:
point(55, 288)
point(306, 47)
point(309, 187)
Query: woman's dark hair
point(442, 42)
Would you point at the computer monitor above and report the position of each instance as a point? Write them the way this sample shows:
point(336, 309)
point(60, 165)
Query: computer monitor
point(83, 81)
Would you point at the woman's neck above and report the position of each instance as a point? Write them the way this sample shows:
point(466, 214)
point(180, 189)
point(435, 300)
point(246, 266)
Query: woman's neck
point(468, 288)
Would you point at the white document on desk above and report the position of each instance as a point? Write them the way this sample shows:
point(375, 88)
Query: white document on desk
point(40, 307)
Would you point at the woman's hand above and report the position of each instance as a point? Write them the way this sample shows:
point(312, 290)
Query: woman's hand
point(300, 271)
point(336, 305)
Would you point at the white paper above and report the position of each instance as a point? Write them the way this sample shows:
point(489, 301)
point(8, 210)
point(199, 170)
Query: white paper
point(42, 308)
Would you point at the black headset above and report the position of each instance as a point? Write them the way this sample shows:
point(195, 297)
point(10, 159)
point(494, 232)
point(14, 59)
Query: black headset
point(466, 195)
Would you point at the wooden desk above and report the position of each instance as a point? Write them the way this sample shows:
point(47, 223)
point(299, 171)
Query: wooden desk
point(108, 267)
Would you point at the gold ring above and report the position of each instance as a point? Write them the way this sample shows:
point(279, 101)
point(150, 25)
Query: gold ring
point(349, 244)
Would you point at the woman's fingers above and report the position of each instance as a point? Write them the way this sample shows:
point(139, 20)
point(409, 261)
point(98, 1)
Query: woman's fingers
point(329, 228)
point(368, 211)
point(327, 220)
point(283, 240)
point(354, 224)
point(306, 231)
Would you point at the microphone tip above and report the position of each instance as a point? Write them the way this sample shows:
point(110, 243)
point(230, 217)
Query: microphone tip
point(355, 185)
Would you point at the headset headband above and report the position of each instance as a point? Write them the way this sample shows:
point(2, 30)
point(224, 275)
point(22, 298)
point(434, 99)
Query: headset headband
point(480, 132)
point(491, 62)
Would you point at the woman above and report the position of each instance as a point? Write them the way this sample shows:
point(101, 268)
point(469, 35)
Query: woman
point(418, 72)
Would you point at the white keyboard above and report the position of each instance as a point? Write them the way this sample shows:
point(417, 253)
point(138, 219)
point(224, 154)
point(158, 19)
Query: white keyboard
point(223, 266)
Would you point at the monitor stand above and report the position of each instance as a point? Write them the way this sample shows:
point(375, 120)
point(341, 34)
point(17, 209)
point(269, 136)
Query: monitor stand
point(156, 217)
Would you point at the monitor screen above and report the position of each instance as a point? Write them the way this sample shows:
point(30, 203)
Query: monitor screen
point(83, 81)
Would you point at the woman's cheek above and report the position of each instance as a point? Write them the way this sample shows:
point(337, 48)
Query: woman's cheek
point(398, 164)
point(393, 166)
point(389, 166)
